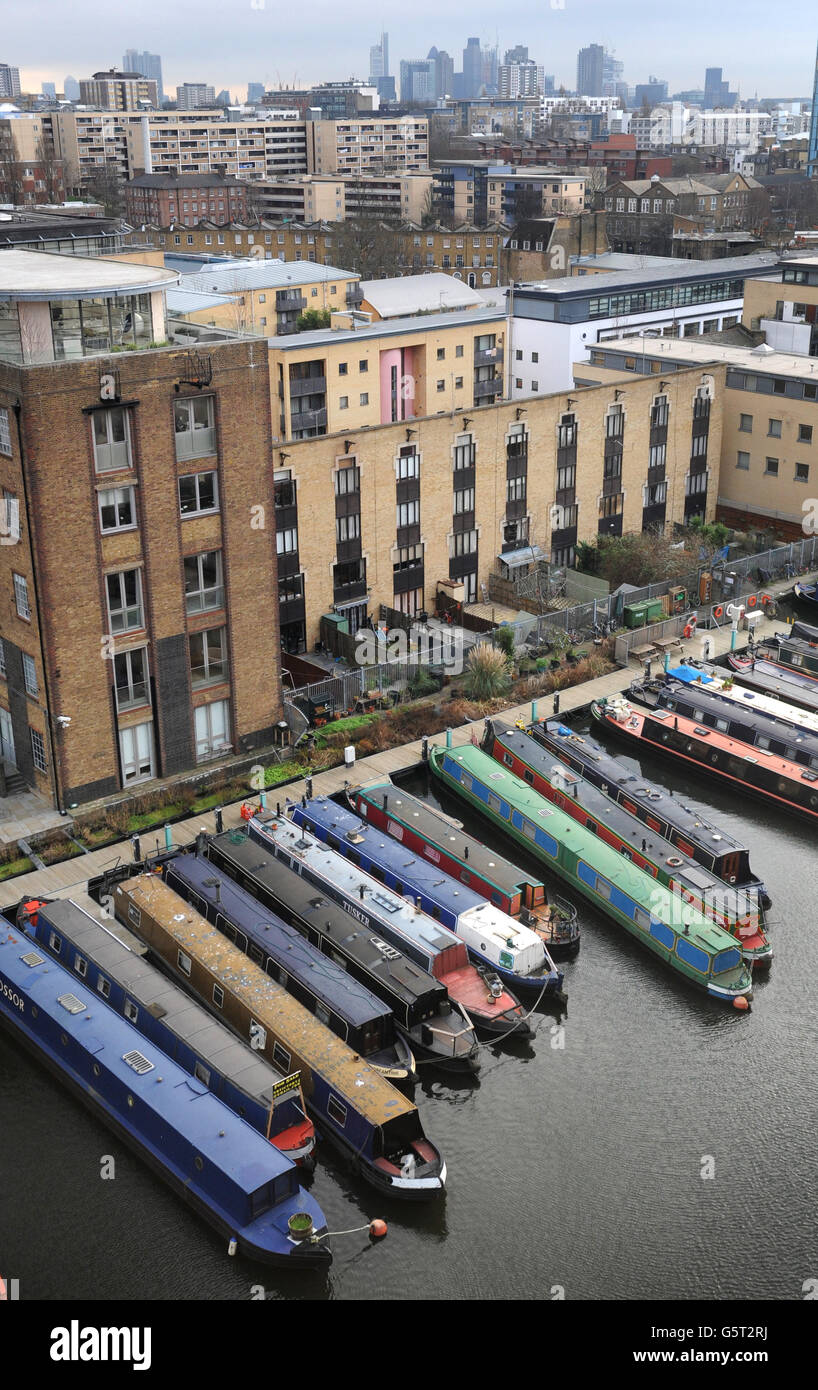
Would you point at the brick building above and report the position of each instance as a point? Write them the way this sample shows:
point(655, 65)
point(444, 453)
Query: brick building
point(185, 199)
point(138, 563)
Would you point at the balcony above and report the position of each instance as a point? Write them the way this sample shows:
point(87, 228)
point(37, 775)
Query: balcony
point(308, 386)
point(654, 514)
point(290, 301)
point(484, 389)
point(612, 485)
point(309, 420)
point(485, 357)
point(349, 593)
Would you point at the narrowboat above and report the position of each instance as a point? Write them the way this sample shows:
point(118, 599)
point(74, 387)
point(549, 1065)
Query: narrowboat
point(715, 682)
point(742, 722)
point(666, 814)
point(738, 912)
point(806, 594)
point(401, 924)
point(421, 1008)
point(494, 941)
point(791, 653)
point(772, 680)
point(375, 1128)
point(342, 1004)
point(241, 1185)
point(761, 774)
point(267, 1099)
point(673, 930)
point(443, 842)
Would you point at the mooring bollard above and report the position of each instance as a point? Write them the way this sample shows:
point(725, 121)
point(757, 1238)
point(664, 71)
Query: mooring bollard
point(168, 837)
point(137, 849)
point(533, 711)
point(424, 751)
point(219, 820)
point(448, 738)
point(308, 785)
point(557, 703)
point(263, 800)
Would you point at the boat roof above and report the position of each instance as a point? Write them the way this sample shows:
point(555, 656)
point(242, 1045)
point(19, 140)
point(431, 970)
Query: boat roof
point(748, 751)
point(359, 887)
point(751, 716)
point(752, 699)
point(163, 999)
point(363, 1087)
point(418, 874)
point(640, 886)
point(783, 680)
point(701, 831)
point(403, 977)
point(182, 1103)
point(327, 981)
point(630, 828)
point(440, 831)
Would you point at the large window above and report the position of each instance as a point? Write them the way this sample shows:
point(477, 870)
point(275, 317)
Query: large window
point(198, 492)
point(208, 656)
point(116, 509)
point(136, 752)
point(408, 464)
point(462, 543)
point(30, 676)
point(193, 421)
point(408, 513)
point(124, 600)
point(38, 750)
point(112, 439)
point(5, 432)
point(203, 582)
point(21, 597)
point(348, 528)
point(82, 328)
point(212, 730)
point(347, 480)
point(464, 452)
point(131, 678)
point(464, 501)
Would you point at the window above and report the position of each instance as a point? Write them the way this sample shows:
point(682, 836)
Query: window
point(116, 509)
point(103, 986)
point(337, 1111)
point(342, 369)
point(463, 543)
point(124, 600)
point(441, 354)
point(464, 452)
point(802, 472)
point(348, 528)
point(347, 480)
point(464, 501)
point(518, 355)
point(364, 398)
point(193, 421)
point(742, 460)
point(10, 517)
point(21, 597)
point(211, 730)
point(516, 488)
point(746, 424)
point(218, 996)
point(30, 675)
point(208, 656)
point(112, 440)
point(458, 383)
point(772, 467)
point(286, 540)
point(535, 385)
point(5, 432)
point(774, 429)
point(407, 465)
point(3, 671)
point(343, 402)
point(183, 962)
point(408, 513)
point(198, 492)
point(441, 385)
point(203, 582)
point(805, 434)
point(458, 352)
point(281, 1057)
point(38, 750)
point(779, 387)
point(131, 678)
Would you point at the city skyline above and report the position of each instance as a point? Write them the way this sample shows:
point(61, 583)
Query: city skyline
point(269, 47)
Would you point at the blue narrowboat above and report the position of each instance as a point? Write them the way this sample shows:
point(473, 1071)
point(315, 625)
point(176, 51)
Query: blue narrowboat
point(376, 1129)
point(226, 1171)
point(493, 939)
point(345, 1007)
point(268, 1100)
point(401, 923)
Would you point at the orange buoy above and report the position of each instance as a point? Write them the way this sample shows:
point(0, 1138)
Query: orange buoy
point(741, 1003)
point(378, 1229)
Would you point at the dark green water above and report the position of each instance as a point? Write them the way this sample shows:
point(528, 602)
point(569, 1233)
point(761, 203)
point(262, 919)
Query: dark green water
point(574, 1161)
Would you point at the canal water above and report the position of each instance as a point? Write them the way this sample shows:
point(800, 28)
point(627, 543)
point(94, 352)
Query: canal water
point(578, 1162)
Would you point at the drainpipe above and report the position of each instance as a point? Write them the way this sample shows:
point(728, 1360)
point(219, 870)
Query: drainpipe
point(49, 716)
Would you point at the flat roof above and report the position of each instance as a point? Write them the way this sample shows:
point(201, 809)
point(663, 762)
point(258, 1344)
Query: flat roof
point(48, 275)
point(257, 273)
point(408, 294)
point(625, 260)
point(567, 286)
point(692, 353)
point(183, 301)
point(416, 324)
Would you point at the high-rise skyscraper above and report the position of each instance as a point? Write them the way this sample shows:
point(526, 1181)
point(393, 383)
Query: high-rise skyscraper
point(525, 79)
point(444, 71)
point(589, 70)
point(379, 58)
point(71, 89)
point(148, 64)
point(518, 54)
point(9, 81)
point(489, 64)
point(612, 71)
point(49, 90)
point(255, 92)
point(417, 80)
point(472, 68)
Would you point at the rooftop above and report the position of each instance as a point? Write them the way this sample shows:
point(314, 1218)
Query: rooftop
point(690, 352)
point(413, 294)
point(257, 274)
point(417, 324)
point(568, 285)
point(48, 275)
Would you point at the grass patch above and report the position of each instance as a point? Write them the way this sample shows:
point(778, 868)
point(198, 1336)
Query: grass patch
point(16, 866)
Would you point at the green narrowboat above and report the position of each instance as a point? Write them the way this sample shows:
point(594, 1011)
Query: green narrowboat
point(675, 931)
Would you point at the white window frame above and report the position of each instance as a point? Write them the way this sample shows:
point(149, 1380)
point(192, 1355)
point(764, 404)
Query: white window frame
point(198, 440)
point(115, 497)
point(5, 432)
point(30, 675)
point(209, 744)
point(199, 511)
point(21, 599)
point(136, 752)
point(38, 750)
point(219, 674)
point(111, 455)
point(134, 609)
point(206, 597)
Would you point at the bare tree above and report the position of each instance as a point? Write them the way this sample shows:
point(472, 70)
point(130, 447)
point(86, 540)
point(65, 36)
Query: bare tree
point(366, 245)
point(52, 170)
point(12, 188)
point(105, 186)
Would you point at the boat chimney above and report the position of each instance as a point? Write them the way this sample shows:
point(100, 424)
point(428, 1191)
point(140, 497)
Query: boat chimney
point(361, 892)
point(417, 904)
point(386, 798)
point(465, 852)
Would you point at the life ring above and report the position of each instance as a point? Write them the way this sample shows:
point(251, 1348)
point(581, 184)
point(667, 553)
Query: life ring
point(765, 599)
point(752, 601)
point(689, 630)
point(674, 862)
point(718, 611)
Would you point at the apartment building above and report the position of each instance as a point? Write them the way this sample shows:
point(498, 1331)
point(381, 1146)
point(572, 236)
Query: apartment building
point(641, 212)
point(766, 468)
point(31, 171)
point(784, 307)
point(185, 198)
point(556, 323)
point(192, 96)
point(345, 379)
point(138, 564)
point(462, 494)
point(468, 252)
point(262, 296)
point(364, 145)
point(542, 248)
point(119, 91)
point(290, 241)
point(390, 197)
point(483, 191)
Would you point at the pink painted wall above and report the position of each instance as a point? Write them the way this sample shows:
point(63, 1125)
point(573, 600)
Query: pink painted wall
point(388, 360)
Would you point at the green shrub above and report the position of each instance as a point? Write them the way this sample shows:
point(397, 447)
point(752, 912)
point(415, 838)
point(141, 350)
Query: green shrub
point(487, 673)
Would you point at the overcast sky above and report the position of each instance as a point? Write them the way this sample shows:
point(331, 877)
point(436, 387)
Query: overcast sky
point(761, 47)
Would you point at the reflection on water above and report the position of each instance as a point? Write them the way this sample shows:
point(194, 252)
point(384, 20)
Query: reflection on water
point(576, 1156)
